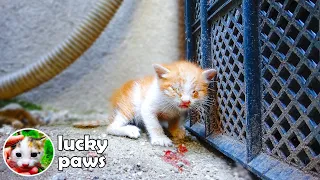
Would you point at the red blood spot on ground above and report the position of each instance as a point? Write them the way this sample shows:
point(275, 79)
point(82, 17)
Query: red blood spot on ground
point(92, 154)
point(182, 149)
point(176, 158)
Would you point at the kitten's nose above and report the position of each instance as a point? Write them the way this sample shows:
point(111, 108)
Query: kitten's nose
point(185, 102)
point(25, 165)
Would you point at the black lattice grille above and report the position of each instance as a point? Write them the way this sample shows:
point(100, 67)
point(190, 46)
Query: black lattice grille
point(198, 47)
point(290, 69)
point(207, 115)
point(197, 10)
point(227, 55)
point(196, 114)
point(291, 81)
point(211, 2)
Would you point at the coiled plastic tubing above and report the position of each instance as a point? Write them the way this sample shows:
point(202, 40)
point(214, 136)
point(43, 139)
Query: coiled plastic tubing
point(63, 55)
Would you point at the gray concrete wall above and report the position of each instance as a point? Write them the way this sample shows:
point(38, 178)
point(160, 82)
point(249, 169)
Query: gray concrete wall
point(142, 32)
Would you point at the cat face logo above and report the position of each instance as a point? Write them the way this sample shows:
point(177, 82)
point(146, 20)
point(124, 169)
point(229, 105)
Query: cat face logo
point(28, 152)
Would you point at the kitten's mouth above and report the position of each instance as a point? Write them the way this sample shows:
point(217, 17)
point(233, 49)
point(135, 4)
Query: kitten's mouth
point(183, 106)
point(25, 168)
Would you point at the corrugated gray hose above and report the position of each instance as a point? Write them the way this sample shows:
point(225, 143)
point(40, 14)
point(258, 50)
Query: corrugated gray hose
point(62, 56)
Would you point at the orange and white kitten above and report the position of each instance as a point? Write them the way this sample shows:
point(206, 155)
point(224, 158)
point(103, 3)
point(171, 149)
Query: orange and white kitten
point(166, 96)
point(27, 154)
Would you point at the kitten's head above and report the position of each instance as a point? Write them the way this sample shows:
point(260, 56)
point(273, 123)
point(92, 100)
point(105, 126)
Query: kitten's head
point(28, 152)
point(184, 83)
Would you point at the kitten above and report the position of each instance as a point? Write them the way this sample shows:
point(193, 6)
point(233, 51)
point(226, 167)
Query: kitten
point(27, 153)
point(166, 96)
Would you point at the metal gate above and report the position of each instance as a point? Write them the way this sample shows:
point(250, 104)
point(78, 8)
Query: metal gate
point(264, 107)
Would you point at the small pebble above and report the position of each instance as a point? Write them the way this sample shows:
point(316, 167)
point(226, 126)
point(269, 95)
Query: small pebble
point(59, 176)
point(145, 170)
point(90, 169)
point(126, 168)
point(180, 164)
point(3, 167)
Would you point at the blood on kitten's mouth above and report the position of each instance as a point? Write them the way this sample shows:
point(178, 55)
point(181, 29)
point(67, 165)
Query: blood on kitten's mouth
point(25, 168)
point(184, 106)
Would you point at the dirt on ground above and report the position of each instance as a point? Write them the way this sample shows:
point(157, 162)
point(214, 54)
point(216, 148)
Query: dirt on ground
point(133, 158)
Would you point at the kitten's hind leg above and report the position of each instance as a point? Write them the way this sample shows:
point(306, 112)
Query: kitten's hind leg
point(120, 127)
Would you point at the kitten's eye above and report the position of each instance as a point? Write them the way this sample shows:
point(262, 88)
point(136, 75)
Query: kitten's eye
point(18, 154)
point(195, 94)
point(174, 89)
point(34, 154)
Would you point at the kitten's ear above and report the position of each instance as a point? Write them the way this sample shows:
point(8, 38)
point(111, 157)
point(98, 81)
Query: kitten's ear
point(43, 140)
point(209, 74)
point(160, 70)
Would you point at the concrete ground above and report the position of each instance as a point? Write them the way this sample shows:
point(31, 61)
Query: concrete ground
point(132, 159)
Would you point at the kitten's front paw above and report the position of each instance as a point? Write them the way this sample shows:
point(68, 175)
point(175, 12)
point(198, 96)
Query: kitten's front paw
point(161, 141)
point(179, 133)
point(133, 132)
